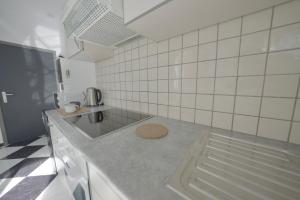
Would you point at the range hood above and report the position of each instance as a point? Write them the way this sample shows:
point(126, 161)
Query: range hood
point(97, 21)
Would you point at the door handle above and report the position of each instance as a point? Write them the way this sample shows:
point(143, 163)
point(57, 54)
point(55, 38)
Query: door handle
point(4, 96)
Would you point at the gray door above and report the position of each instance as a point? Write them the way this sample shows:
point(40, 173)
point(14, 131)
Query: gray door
point(27, 84)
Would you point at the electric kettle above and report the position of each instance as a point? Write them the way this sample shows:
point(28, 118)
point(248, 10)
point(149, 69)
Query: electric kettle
point(93, 96)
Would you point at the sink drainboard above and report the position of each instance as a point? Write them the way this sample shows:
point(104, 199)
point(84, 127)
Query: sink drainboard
point(222, 167)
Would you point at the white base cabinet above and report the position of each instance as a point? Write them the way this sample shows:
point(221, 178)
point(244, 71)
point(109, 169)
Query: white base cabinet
point(84, 180)
point(100, 187)
point(70, 165)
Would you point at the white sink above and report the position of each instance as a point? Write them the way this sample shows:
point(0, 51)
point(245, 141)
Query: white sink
point(223, 167)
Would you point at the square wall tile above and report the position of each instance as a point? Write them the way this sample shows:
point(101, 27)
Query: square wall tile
point(223, 103)
point(286, 37)
point(255, 43)
point(203, 117)
point(175, 57)
point(222, 120)
point(225, 85)
point(163, 46)
point(189, 85)
point(152, 61)
point(190, 54)
point(143, 51)
point(152, 49)
point(136, 86)
point(174, 112)
point(163, 59)
point(281, 85)
point(188, 100)
point(247, 105)
point(207, 51)
point(250, 86)
point(295, 133)
point(135, 53)
point(128, 55)
point(286, 13)
point(284, 62)
point(162, 110)
point(175, 43)
point(245, 124)
point(152, 74)
point(163, 98)
point(229, 47)
point(174, 99)
point(152, 97)
point(143, 63)
point(256, 22)
point(227, 67)
point(162, 85)
point(144, 107)
point(135, 64)
point(278, 108)
point(205, 85)
point(175, 72)
point(252, 65)
point(274, 129)
point(187, 114)
point(175, 85)
point(163, 72)
point(144, 97)
point(230, 28)
point(297, 111)
point(189, 70)
point(208, 34)
point(206, 68)
point(153, 109)
point(144, 74)
point(204, 101)
point(190, 39)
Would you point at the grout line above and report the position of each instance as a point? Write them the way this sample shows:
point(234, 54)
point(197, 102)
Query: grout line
point(168, 111)
point(181, 76)
point(214, 90)
point(294, 111)
point(157, 80)
point(195, 109)
point(237, 72)
point(265, 72)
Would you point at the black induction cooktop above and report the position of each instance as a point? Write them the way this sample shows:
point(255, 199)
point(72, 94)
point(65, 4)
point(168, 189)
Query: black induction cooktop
point(100, 123)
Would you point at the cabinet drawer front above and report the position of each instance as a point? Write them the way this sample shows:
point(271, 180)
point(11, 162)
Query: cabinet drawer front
point(100, 185)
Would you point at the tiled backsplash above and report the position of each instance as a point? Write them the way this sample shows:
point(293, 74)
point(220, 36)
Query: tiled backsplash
point(240, 75)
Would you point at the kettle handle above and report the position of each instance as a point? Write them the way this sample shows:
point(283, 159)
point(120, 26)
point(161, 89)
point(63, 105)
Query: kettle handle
point(99, 96)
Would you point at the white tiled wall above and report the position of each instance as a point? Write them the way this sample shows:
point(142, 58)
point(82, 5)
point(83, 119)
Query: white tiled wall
point(240, 75)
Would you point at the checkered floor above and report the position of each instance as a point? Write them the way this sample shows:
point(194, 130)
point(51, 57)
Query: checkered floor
point(26, 170)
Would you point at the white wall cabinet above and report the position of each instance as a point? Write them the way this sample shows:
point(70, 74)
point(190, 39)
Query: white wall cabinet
point(175, 17)
point(135, 8)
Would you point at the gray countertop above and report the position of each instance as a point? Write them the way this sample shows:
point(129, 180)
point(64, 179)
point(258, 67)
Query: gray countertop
point(139, 168)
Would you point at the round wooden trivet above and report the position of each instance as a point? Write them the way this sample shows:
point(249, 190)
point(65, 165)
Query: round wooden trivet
point(152, 131)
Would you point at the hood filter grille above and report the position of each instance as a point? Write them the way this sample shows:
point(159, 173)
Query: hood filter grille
point(94, 20)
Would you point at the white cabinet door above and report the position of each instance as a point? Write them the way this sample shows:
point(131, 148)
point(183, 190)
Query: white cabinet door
point(136, 8)
point(101, 188)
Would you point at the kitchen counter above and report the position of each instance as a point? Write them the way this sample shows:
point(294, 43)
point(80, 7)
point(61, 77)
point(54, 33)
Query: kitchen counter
point(139, 168)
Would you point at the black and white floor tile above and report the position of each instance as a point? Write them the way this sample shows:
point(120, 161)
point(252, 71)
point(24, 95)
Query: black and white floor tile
point(27, 172)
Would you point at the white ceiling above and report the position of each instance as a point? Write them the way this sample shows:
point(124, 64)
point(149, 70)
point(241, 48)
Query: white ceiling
point(32, 22)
